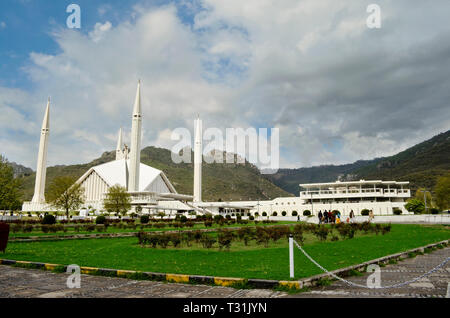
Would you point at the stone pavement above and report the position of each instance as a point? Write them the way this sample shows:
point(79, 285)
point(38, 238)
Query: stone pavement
point(434, 285)
point(20, 282)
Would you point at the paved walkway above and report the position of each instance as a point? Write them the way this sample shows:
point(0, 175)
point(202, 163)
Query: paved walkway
point(435, 285)
point(19, 282)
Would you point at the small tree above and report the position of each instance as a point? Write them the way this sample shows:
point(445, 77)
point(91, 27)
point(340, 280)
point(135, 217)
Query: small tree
point(421, 195)
point(64, 193)
point(397, 211)
point(9, 187)
point(161, 214)
point(117, 200)
point(442, 192)
point(415, 205)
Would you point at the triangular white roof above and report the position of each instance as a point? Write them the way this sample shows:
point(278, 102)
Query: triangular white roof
point(115, 172)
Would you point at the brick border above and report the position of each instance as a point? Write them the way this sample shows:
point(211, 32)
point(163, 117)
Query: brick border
point(221, 281)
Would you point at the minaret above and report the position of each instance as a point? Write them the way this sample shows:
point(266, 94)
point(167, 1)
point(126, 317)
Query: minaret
point(198, 161)
point(135, 151)
point(41, 169)
point(119, 153)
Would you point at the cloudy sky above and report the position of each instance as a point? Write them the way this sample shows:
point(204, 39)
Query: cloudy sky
point(337, 90)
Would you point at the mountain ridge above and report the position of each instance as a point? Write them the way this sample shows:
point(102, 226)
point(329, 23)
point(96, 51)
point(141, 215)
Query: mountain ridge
point(420, 164)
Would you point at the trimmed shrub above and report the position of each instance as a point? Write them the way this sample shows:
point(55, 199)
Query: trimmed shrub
point(274, 213)
point(262, 236)
point(396, 211)
point(224, 238)
point(45, 228)
point(145, 219)
point(197, 236)
point(306, 213)
point(365, 212)
point(322, 233)
point(245, 234)
point(163, 240)
point(183, 219)
point(434, 211)
point(251, 217)
point(283, 213)
point(28, 228)
point(294, 213)
point(264, 214)
point(207, 241)
point(16, 228)
point(175, 239)
point(100, 227)
point(335, 212)
point(100, 219)
point(49, 219)
point(385, 229)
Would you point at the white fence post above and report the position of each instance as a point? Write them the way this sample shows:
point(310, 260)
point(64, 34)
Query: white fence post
point(291, 256)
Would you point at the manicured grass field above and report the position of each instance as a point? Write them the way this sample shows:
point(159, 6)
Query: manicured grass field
point(251, 262)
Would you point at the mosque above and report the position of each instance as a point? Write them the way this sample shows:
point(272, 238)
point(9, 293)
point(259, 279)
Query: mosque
point(152, 191)
point(149, 187)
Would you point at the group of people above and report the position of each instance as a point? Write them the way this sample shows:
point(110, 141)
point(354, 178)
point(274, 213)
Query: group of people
point(335, 217)
point(329, 217)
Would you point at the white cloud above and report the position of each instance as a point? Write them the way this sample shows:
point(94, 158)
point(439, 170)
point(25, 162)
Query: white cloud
point(99, 30)
point(337, 90)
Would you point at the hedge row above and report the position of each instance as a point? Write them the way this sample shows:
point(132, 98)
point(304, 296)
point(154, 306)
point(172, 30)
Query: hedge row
point(261, 235)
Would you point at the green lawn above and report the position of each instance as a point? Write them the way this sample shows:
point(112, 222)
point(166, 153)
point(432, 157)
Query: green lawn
point(251, 262)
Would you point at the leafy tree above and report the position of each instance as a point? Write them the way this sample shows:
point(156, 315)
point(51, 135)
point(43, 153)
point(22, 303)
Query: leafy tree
point(421, 197)
point(9, 187)
point(117, 200)
point(442, 192)
point(415, 205)
point(138, 209)
point(161, 214)
point(64, 193)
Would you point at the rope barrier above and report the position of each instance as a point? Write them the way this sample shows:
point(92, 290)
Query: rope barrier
point(364, 286)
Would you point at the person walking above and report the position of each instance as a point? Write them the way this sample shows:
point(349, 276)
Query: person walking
point(371, 216)
point(352, 216)
point(320, 215)
point(325, 217)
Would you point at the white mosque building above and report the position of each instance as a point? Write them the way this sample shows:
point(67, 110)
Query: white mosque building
point(149, 187)
point(153, 192)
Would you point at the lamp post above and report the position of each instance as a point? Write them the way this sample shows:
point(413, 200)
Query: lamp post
point(425, 198)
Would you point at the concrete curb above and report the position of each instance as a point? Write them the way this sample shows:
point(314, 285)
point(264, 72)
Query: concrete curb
point(220, 281)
